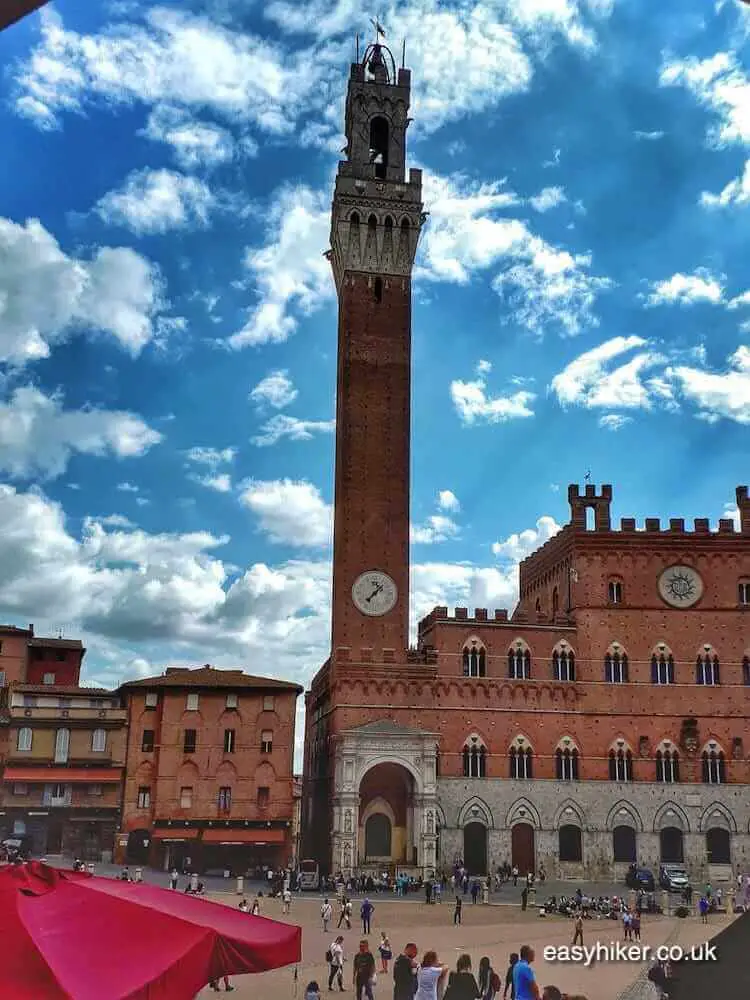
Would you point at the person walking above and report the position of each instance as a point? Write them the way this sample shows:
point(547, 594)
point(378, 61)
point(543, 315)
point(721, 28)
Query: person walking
point(335, 958)
point(515, 874)
point(578, 935)
point(431, 975)
point(512, 961)
point(326, 912)
point(524, 897)
point(489, 981)
point(173, 877)
point(635, 926)
point(386, 953)
point(457, 911)
point(365, 912)
point(342, 911)
point(524, 979)
point(703, 905)
point(405, 974)
point(461, 984)
point(363, 972)
point(286, 897)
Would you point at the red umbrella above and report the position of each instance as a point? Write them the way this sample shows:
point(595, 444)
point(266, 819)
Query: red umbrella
point(69, 935)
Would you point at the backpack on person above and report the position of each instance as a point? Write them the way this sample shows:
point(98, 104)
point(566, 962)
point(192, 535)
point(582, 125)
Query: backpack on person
point(495, 983)
point(329, 956)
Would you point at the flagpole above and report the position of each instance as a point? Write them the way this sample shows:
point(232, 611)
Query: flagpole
point(357, 46)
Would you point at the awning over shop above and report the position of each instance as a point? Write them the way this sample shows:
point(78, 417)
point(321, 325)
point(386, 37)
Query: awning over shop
point(257, 837)
point(64, 775)
point(187, 834)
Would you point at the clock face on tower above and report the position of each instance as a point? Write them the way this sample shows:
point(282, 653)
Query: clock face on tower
point(374, 593)
point(680, 586)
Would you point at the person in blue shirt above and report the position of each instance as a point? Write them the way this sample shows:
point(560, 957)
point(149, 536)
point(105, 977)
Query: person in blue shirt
point(524, 981)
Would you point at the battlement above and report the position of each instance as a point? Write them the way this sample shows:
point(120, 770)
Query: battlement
point(369, 654)
point(676, 526)
point(481, 616)
point(591, 500)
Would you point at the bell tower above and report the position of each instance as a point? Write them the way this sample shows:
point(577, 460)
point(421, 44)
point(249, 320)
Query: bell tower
point(376, 220)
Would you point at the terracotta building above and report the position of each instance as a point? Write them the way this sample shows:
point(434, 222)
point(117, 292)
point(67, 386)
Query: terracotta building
point(603, 721)
point(209, 770)
point(63, 749)
point(14, 10)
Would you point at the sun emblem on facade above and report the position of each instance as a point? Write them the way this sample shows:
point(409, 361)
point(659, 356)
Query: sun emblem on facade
point(680, 586)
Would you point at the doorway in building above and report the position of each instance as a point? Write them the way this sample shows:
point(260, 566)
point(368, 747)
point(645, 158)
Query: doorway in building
point(138, 845)
point(378, 837)
point(54, 835)
point(475, 848)
point(522, 852)
point(671, 846)
point(624, 844)
point(718, 846)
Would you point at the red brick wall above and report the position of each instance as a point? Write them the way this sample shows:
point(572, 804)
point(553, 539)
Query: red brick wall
point(371, 527)
point(13, 657)
point(66, 670)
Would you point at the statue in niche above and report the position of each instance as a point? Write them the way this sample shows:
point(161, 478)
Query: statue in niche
point(347, 822)
point(430, 821)
point(347, 855)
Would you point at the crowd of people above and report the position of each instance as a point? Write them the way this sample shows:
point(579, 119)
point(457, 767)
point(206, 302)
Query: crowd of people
point(431, 979)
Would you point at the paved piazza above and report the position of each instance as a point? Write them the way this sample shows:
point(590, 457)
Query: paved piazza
point(493, 930)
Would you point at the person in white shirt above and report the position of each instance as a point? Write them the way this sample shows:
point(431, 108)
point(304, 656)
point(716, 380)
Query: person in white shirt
point(430, 977)
point(336, 964)
point(326, 912)
point(287, 900)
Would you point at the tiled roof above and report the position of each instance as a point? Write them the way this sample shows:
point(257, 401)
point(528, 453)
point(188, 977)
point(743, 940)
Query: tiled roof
point(71, 691)
point(209, 677)
point(14, 630)
point(56, 643)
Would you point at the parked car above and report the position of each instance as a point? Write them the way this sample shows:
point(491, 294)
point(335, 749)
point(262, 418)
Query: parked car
point(673, 878)
point(640, 878)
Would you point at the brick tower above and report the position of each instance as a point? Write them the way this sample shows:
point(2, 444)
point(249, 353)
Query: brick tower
point(376, 219)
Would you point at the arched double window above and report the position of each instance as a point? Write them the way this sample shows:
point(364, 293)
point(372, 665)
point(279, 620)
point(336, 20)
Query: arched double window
point(714, 765)
point(520, 757)
point(616, 665)
point(475, 758)
point(519, 661)
point(566, 761)
point(475, 660)
point(707, 667)
point(662, 665)
point(563, 663)
point(667, 764)
point(621, 763)
point(614, 591)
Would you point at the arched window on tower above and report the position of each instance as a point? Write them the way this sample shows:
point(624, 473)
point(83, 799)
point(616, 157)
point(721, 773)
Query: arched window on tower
point(475, 758)
point(475, 660)
point(566, 760)
point(614, 591)
point(520, 758)
point(563, 663)
point(620, 762)
point(555, 602)
point(662, 665)
point(616, 665)
point(667, 763)
point(378, 290)
point(379, 131)
point(519, 661)
point(714, 765)
point(707, 667)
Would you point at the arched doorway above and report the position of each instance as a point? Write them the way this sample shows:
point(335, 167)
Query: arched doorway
point(522, 854)
point(475, 848)
point(623, 844)
point(138, 845)
point(671, 849)
point(378, 837)
point(718, 846)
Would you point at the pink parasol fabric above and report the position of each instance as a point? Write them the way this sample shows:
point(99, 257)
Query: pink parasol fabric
point(72, 935)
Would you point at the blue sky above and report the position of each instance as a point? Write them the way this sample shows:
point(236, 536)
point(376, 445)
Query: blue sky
point(167, 319)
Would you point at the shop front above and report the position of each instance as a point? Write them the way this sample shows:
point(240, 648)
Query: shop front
point(210, 848)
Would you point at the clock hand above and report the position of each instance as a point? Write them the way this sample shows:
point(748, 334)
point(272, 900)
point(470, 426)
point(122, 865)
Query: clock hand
point(374, 593)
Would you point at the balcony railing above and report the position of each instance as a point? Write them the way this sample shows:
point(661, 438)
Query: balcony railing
point(56, 801)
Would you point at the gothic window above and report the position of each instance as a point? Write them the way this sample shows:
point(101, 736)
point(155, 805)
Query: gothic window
point(475, 661)
point(379, 146)
point(520, 757)
point(616, 667)
point(378, 290)
point(614, 592)
point(707, 668)
point(743, 592)
point(714, 767)
point(404, 226)
point(662, 666)
point(667, 765)
point(372, 223)
point(475, 758)
point(519, 662)
point(563, 664)
point(566, 762)
point(555, 601)
point(354, 218)
point(620, 764)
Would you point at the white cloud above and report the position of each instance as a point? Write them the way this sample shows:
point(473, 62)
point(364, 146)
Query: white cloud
point(173, 58)
point(127, 488)
point(212, 457)
point(590, 381)
point(38, 437)
point(45, 295)
point(155, 201)
point(290, 513)
point(282, 426)
point(474, 405)
point(436, 528)
point(720, 84)
point(719, 396)
point(518, 546)
point(290, 270)
point(614, 421)
point(739, 301)
point(549, 197)
point(194, 143)
point(648, 136)
point(687, 289)
point(736, 192)
point(447, 500)
point(276, 390)
point(221, 482)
